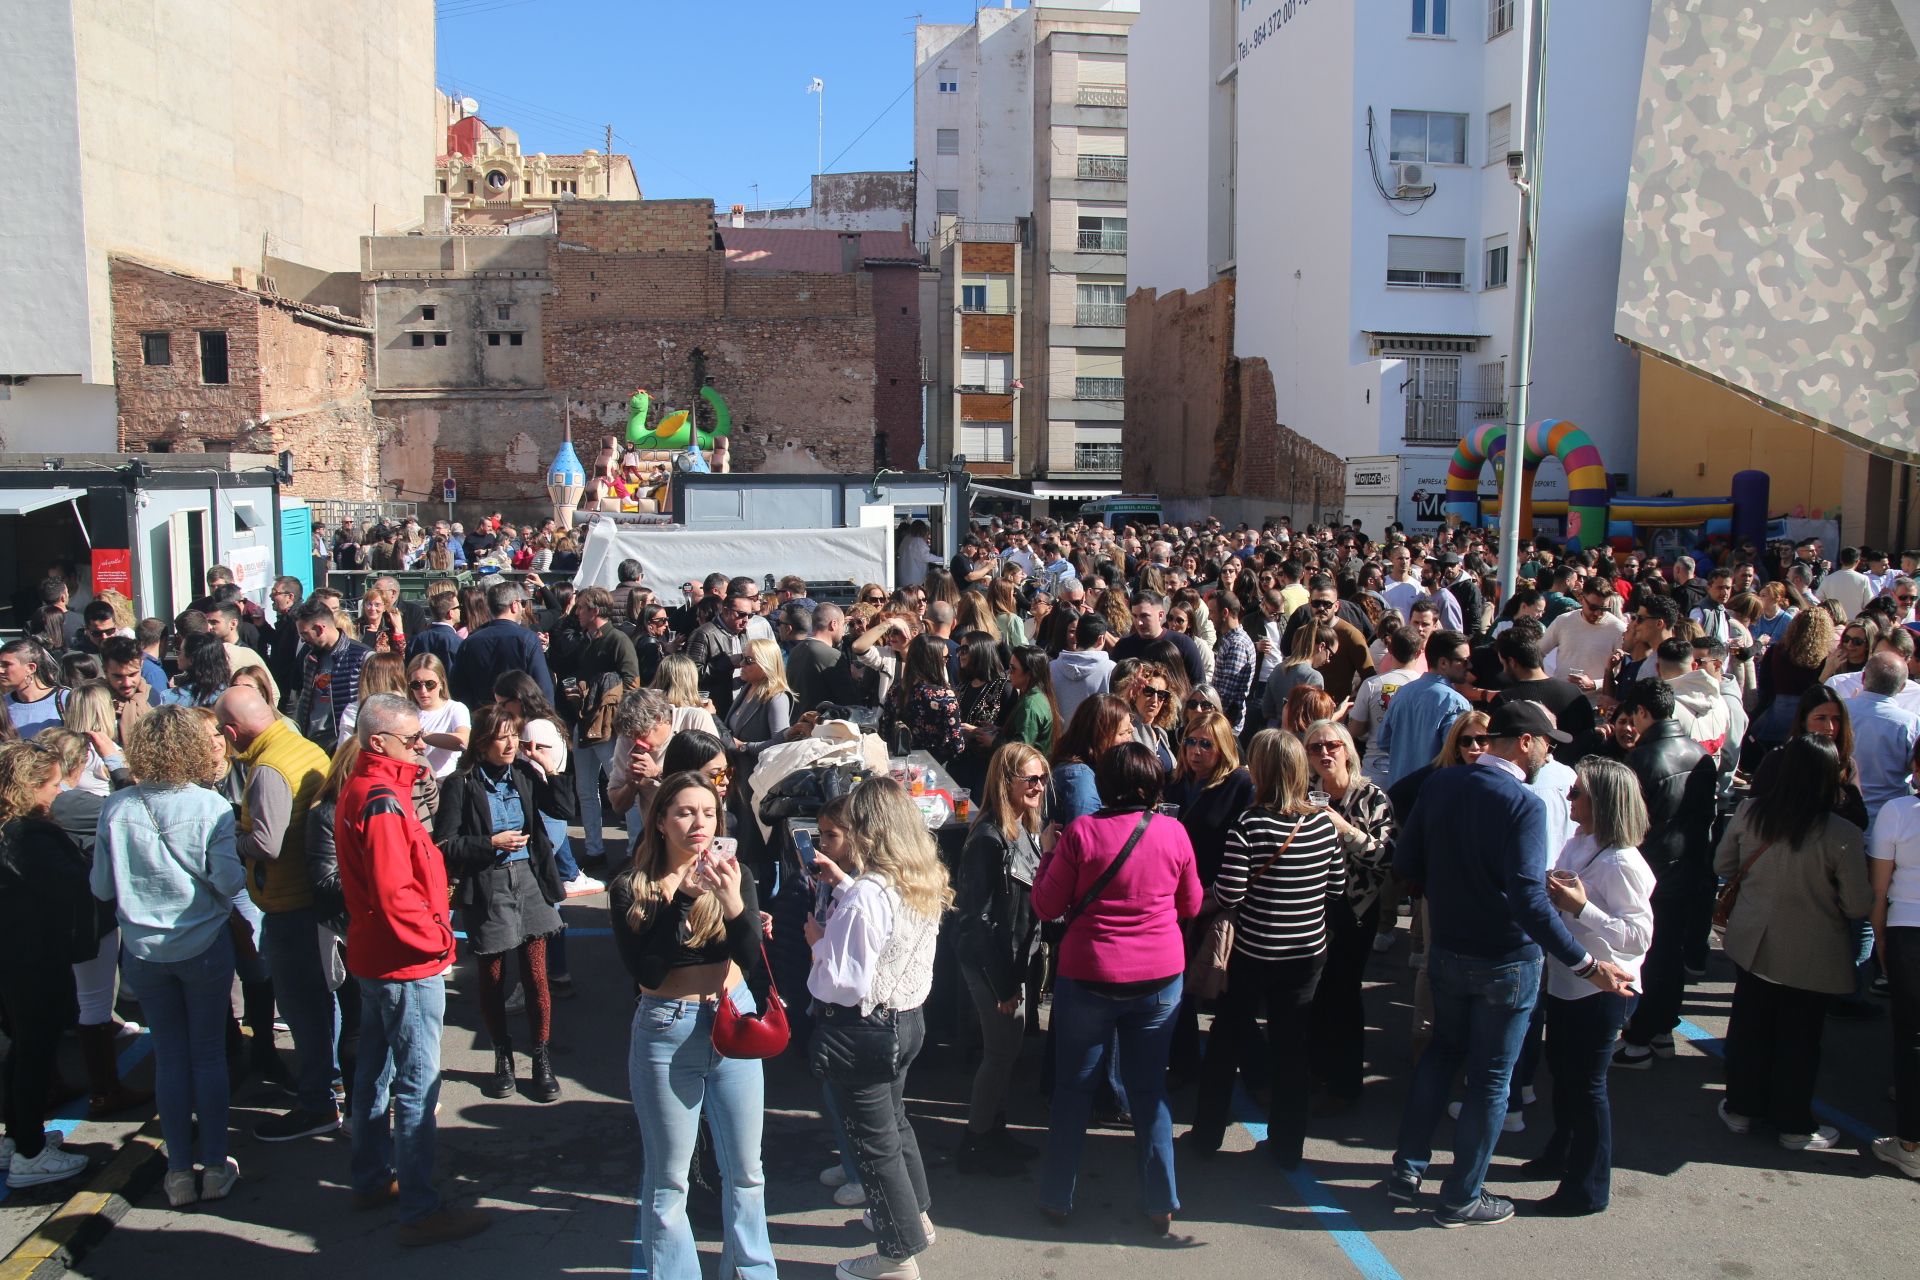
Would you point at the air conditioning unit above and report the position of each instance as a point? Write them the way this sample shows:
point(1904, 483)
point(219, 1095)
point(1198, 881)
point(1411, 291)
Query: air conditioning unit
point(1411, 180)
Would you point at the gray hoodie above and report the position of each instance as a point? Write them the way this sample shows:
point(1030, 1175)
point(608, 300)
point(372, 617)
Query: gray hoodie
point(1078, 674)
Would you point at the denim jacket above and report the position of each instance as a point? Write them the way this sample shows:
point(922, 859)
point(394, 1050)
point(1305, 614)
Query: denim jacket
point(172, 885)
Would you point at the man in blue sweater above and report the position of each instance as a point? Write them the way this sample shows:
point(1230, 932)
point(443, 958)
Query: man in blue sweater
point(1422, 713)
point(1476, 841)
point(504, 643)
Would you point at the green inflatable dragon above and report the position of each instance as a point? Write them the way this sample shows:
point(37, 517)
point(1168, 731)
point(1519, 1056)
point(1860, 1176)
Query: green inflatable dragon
point(676, 430)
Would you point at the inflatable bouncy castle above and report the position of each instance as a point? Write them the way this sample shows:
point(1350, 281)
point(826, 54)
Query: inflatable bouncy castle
point(1554, 437)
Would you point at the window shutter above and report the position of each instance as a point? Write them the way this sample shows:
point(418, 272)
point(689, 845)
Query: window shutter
point(1426, 253)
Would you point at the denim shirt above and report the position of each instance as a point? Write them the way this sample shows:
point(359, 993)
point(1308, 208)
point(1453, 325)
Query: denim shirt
point(172, 885)
point(504, 808)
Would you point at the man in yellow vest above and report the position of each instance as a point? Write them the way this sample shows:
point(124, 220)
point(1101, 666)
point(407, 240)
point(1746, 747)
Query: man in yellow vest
point(285, 773)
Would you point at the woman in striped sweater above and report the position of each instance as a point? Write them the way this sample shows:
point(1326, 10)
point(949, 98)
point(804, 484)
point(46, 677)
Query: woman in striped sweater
point(1284, 868)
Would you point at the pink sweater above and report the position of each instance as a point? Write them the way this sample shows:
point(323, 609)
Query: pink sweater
point(1131, 933)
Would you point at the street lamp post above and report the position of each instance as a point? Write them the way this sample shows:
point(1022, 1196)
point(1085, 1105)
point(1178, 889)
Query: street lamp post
point(1525, 167)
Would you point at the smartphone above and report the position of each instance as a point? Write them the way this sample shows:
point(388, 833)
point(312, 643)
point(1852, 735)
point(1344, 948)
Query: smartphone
point(723, 849)
point(803, 850)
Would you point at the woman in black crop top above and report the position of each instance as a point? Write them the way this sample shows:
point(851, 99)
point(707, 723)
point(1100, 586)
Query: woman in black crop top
point(687, 925)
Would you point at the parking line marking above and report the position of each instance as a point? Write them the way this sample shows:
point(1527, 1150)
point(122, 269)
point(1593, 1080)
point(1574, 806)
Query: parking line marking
point(1707, 1042)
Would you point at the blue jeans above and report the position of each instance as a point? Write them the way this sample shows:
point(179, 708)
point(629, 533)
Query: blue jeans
point(290, 943)
point(186, 1003)
point(674, 1073)
point(1083, 1023)
point(590, 761)
point(1579, 1050)
point(400, 1025)
point(569, 869)
point(1480, 1015)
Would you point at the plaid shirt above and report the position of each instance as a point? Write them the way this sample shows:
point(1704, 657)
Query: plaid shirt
point(1233, 662)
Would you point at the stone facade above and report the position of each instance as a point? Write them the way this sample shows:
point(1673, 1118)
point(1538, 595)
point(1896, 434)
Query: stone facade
point(295, 379)
point(1203, 433)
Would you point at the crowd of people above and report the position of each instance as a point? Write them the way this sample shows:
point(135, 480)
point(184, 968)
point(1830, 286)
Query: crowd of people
point(1212, 772)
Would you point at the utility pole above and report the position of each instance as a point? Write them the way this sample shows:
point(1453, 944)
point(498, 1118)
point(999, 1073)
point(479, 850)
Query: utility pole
point(609, 150)
point(819, 86)
point(1527, 178)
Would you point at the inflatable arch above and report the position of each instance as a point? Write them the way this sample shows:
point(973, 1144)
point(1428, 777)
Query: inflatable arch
point(1553, 437)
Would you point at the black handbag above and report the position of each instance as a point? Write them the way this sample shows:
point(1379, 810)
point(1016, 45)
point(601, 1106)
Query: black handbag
point(852, 1050)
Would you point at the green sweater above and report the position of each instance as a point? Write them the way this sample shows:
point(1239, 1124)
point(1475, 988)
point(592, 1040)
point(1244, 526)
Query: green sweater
point(1029, 719)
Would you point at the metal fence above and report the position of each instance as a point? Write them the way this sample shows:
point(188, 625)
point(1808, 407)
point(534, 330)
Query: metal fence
point(1099, 388)
point(1102, 315)
point(1103, 241)
point(1102, 95)
point(1097, 457)
point(1103, 168)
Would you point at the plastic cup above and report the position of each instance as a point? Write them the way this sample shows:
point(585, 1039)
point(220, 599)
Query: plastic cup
point(1319, 799)
point(962, 803)
point(917, 780)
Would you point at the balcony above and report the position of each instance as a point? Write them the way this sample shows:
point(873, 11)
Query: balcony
point(1102, 168)
point(1099, 388)
point(984, 309)
point(983, 388)
point(1097, 457)
point(1101, 315)
point(1102, 95)
point(1102, 241)
point(1433, 420)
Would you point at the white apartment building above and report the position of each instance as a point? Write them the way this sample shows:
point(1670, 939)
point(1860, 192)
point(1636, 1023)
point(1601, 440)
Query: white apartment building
point(222, 139)
point(1345, 163)
point(1020, 139)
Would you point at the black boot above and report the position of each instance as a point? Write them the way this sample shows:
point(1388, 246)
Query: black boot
point(500, 1083)
point(544, 1087)
point(263, 1059)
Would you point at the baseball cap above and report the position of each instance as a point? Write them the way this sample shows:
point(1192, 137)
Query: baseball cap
point(1449, 560)
point(1514, 719)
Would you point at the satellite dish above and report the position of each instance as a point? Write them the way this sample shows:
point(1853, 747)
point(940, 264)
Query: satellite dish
point(468, 107)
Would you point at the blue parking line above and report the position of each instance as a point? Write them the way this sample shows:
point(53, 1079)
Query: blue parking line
point(460, 935)
point(69, 1117)
point(1346, 1232)
point(1705, 1040)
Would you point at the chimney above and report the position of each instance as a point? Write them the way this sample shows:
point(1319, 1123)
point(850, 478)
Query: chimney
point(438, 213)
point(737, 216)
point(850, 256)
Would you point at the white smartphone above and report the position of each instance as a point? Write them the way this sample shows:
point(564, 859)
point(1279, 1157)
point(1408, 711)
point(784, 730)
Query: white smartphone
point(723, 849)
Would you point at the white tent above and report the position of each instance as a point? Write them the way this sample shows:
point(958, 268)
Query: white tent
point(670, 555)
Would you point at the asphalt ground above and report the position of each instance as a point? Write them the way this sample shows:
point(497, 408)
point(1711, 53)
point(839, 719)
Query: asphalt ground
point(560, 1179)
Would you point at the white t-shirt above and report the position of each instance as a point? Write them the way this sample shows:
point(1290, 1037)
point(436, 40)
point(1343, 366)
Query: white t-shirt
point(449, 717)
point(1895, 837)
point(1369, 709)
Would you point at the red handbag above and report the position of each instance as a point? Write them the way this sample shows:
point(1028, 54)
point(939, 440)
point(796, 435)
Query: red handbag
point(752, 1035)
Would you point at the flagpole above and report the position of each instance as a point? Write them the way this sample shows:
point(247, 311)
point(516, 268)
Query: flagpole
point(820, 132)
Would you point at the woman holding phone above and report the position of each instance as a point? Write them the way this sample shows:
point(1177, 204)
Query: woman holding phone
point(686, 920)
point(492, 834)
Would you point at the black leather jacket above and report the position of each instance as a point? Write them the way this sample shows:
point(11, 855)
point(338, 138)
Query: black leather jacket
point(1678, 780)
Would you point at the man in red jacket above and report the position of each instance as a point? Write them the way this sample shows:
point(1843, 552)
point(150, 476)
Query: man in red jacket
point(400, 946)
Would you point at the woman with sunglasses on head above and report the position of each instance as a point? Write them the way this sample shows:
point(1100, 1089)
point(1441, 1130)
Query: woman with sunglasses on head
point(995, 933)
point(493, 837)
point(1363, 816)
point(1604, 888)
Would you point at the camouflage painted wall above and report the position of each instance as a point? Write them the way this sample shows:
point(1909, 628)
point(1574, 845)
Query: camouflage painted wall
point(1774, 208)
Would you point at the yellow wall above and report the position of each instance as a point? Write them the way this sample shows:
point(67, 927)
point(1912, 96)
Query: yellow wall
point(1687, 421)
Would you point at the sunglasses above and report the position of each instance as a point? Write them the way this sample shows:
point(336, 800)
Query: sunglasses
point(1031, 779)
point(1574, 793)
point(1199, 704)
point(1480, 740)
point(1321, 604)
point(876, 600)
point(1198, 744)
point(742, 613)
point(1326, 745)
point(1853, 640)
point(1160, 694)
point(423, 684)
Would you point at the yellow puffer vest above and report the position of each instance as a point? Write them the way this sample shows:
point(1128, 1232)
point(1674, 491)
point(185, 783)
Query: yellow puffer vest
point(283, 884)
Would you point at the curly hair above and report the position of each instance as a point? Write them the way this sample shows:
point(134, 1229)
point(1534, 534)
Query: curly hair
point(170, 747)
point(1810, 638)
point(24, 769)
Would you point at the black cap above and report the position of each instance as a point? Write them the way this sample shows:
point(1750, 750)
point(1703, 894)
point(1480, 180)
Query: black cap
point(1449, 560)
point(1513, 719)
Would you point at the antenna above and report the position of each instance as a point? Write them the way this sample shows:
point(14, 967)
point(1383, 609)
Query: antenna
point(468, 107)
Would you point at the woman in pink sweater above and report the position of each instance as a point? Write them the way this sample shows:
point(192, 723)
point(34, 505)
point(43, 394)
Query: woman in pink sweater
point(1121, 962)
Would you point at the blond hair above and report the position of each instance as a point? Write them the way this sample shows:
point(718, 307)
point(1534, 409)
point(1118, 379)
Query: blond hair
point(679, 679)
point(704, 920)
point(889, 839)
point(24, 769)
point(123, 619)
point(1474, 722)
point(90, 708)
point(69, 747)
point(1002, 800)
point(1226, 750)
point(766, 656)
point(170, 747)
point(339, 769)
point(1280, 772)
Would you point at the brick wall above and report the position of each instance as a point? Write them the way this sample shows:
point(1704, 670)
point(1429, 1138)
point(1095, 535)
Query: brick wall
point(896, 355)
point(314, 384)
point(637, 226)
point(1213, 436)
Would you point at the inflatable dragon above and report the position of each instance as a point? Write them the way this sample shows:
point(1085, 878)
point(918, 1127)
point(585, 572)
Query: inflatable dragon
point(676, 430)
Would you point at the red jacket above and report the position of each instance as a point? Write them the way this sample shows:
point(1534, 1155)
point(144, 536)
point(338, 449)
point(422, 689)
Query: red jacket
point(391, 874)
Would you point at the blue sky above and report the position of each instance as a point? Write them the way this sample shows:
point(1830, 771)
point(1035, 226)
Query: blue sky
point(708, 96)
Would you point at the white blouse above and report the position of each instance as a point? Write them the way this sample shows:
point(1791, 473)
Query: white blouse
point(1617, 922)
point(875, 951)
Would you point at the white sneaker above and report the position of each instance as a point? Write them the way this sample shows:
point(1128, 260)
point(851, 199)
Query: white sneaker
point(1735, 1122)
point(1890, 1150)
point(584, 885)
point(51, 1165)
point(850, 1194)
point(875, 1267)
point(833, 1176)
point(1382, 943)
point(218, 1181)
point(7, 1146)
point(1528, 1096)
point(182, 1188)
point(1825, 1138)
point(1514, 1123)
point(517, 1002)
point(926, 1224)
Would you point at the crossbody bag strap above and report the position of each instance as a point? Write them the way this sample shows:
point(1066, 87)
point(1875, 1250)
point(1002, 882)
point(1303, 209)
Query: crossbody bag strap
point(1747, 866)
point(1277, 853)
point(1113, 869)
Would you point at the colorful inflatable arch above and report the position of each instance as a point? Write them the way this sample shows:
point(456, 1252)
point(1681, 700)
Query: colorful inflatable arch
point(1554, 437)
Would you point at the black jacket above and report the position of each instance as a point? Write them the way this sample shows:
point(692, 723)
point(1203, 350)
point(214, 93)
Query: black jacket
point(1678, 780)
point(47, 920)
point(464, 827)
point(994, 924)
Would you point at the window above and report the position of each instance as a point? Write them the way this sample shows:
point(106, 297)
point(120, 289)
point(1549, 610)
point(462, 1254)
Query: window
point(428, 313)
point(213, 356)
point(417, 339)
point(946, 142)
point(493, 339)
point(947, 200)
point(439, 339)
point(1430, 18)
point(1426, 262)
point(1431, 137)
point(1493, 391)
point(443, 186)
point(1102, 234)
point(1433, 398)
point(1499, 134)
point(949, 86)
point(985, 441)
point(156, 348)
point(516, 339)
point(1097, 457)
point(1102, 305)
point(973, 297)
point(497, 180)
point(503, 312)
point(1496, 269)
point(1499, 17)
point(991, 374)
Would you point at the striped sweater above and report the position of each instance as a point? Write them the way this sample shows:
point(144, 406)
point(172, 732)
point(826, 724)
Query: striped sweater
point(1283, 911)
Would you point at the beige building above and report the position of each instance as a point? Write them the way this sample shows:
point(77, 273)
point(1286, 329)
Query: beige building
point(219, 138)
point(485, 177)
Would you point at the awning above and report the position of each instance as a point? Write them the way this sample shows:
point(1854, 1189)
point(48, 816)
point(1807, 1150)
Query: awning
point(1042, 489)
point(20, 502)
point(975, 486)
